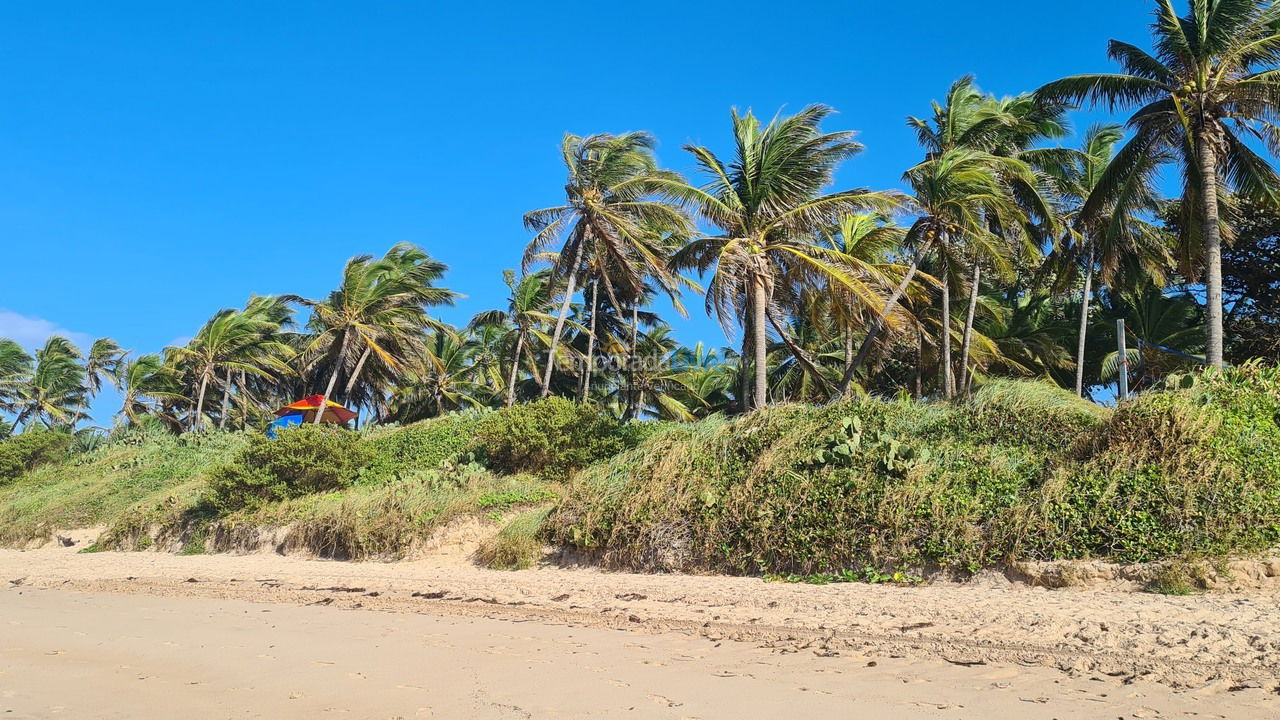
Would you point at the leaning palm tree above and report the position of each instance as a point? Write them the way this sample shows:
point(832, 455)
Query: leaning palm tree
point(103, 361)
point(768, 204)
point(145, 382)
point(379, 311)
point(1212, 83)
point(54, 390)
point(613, 216)
point(1103, 232)
point(15, 368)
point(233, 341)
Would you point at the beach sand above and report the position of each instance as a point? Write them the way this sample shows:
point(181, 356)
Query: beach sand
point(129, 635)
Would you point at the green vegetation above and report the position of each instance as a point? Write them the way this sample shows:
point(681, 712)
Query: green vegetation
point(301, 461)
point(870, 490)
point(518, 544)
point(29, 450)
point(1020, 471)
point(551, 437)
point(99, 487)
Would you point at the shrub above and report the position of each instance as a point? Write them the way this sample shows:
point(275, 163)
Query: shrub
point(28, 450)
point(303, 460)
point(1018, 472)
point(398, 453)
point(551, 437)
point(1172, 473)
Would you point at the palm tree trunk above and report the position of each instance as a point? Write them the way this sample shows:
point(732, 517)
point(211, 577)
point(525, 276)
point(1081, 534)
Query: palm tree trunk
point(919, 389)
point(965, 375)
point(333, 380)
point(591, 342)
point(351, 381)
point(1212, 248)
point(759, 341)
point(515, 368)
point(948, 379)
point(226, 399)
point(197, 421)
point(632, 400)
point(564, 312)
point(876, 326)
point(1084, 325)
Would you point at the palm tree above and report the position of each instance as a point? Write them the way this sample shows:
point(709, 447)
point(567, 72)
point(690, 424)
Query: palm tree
point(15, 368)
point(54, 390)
point(142, 379)
point(1003, 130)
point(527, 313)
point(440, 381)
point(768, 206)
point(704, 378)
point(957, 194)
point(234, 341)
point(612, 215)
point(1211, 84)
point(1103, 232)
point(1164, 334)
point(104, 360)
point(867, 245)
point(379, 311)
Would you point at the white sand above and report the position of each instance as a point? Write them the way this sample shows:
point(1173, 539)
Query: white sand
point(155, 635)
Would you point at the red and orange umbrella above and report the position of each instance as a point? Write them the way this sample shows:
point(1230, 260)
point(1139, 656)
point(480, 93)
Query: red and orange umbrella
point(307, 407)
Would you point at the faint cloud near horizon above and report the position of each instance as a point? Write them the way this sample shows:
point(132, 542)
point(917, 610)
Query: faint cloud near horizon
point(32, 332)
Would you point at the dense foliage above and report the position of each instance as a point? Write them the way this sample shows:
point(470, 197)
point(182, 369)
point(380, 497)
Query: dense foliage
point(1023, 471)
point(300, 461)
point(28, 450)
point(551, 437)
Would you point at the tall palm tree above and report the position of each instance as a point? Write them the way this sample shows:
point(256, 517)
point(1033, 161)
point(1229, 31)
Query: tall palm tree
point(1101, 233)
point(104, 361)
point(379, 311)
point(612, 214)
point(1212, 83)
point(768, 205)
point(54, 390)
point(1000, 129)
point(957, 194)
point(528, 312)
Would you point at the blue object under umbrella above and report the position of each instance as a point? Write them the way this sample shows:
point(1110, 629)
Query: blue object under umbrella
point(282, 422)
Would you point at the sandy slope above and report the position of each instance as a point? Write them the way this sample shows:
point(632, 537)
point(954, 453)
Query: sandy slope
point(465, 642)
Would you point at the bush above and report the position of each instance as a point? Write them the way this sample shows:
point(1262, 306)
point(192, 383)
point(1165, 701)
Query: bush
point(301, 461)
point(398, 453)
point(1021, 471)
point(551, 438)
point(28, 450)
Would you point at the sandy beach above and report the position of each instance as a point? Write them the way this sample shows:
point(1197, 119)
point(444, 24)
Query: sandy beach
point(125, 635)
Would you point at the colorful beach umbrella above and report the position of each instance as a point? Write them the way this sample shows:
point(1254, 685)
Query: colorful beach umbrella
point(307, 407)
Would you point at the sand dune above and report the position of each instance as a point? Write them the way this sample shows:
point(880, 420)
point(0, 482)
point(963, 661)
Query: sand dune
point(156, 635)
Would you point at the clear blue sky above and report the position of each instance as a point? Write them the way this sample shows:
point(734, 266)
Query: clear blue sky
point(162, 160)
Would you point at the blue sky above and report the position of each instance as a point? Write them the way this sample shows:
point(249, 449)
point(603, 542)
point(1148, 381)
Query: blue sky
point(162, 160)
